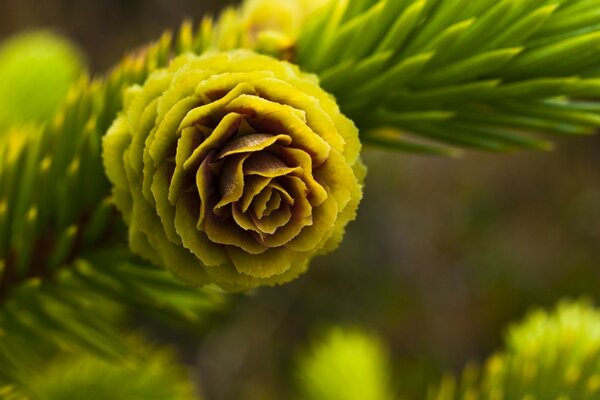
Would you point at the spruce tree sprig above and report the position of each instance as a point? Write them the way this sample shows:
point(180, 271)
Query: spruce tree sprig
point(85, 308)
point(148, 373)
point(550, 355)
point(476, 73)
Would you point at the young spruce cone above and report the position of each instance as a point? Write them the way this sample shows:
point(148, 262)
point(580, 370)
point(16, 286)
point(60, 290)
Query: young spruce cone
point(233, 168)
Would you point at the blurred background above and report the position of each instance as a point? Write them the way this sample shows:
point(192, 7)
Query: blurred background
point(444, 253)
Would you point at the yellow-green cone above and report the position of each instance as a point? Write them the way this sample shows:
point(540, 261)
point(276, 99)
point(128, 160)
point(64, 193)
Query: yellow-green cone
point(233, 168)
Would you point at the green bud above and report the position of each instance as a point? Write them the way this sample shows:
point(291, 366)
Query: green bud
point(36, 71)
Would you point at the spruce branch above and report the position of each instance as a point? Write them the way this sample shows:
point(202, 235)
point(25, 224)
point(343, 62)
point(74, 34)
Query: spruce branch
point(85, 308)
point(148, 373)
point(446, 74)
point(550, 355)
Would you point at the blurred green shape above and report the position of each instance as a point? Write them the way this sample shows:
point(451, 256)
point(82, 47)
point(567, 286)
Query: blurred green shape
point(550, 355)
point(344, 365)
point(155, 376)
point(36, 70)
point(572, 328)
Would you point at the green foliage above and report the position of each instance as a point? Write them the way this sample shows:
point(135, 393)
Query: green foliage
point(55, 212)
point(465, 73)
point(9, 392)
point(344, 365)
point(83, 310)
point(548, 356)
point(150, 374)
point(36, 71)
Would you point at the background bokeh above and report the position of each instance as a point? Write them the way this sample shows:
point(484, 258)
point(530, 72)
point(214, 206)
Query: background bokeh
point(444, 254)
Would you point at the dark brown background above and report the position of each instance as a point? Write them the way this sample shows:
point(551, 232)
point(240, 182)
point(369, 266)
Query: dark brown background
point(445, 253)
point(105, 28)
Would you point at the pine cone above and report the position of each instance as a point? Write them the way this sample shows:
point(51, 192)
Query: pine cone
point(233, 168)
